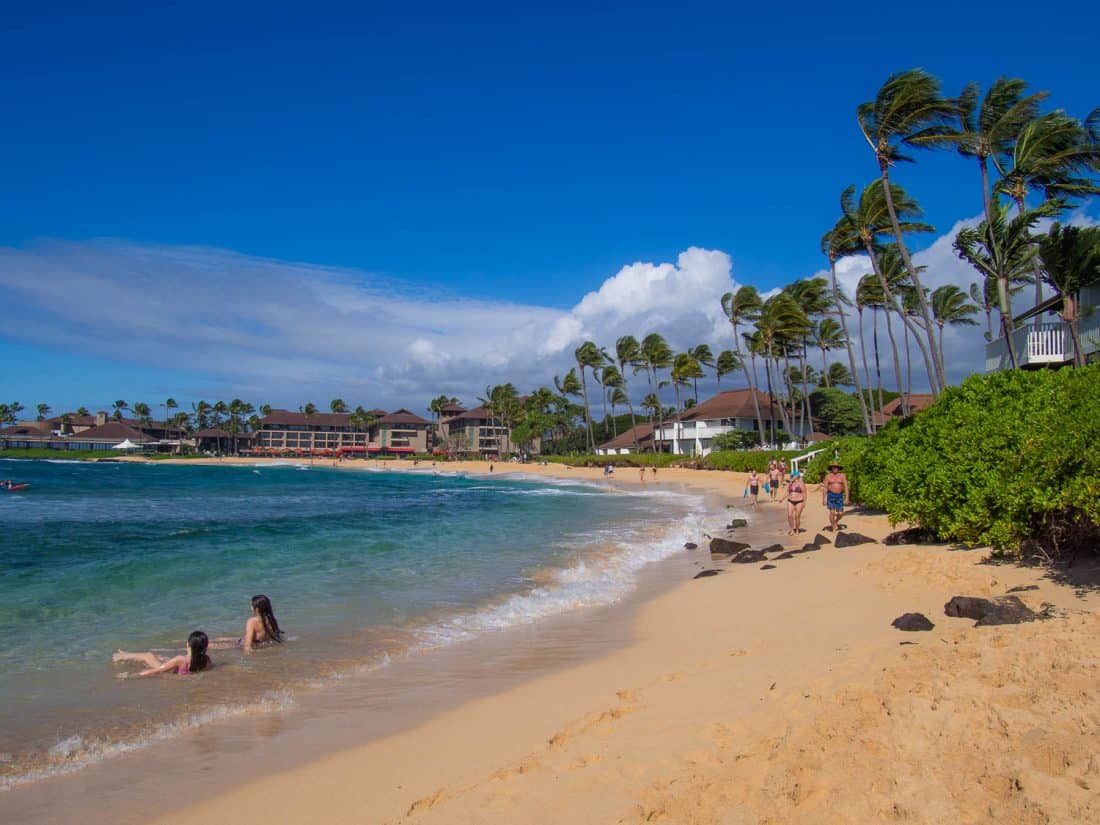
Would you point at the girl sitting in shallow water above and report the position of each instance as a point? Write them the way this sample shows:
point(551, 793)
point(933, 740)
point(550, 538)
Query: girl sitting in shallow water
point(194, 660)
point(260, 630)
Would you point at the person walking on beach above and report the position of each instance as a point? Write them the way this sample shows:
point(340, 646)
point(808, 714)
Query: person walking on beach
point(774, 478)
point(835, 495)
point(754, 488)
point(194, 660)
point(641, 474)
point(796, 503)
point(782, 470)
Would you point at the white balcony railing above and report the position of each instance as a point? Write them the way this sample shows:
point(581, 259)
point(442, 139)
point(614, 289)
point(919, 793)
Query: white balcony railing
point(1034, 345)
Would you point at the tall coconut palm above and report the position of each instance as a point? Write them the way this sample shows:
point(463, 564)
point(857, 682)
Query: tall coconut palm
point(618, 398)
point(868, 218)
point(780, 320)
point(989, 126)
point(1071, 259)
point(869, 294)
point(726, 362)
point(169, 405)
point(835, 243)
point(950, 307)
point(908, 110)
point(338, 405)
point(628, 353)
point(588, 356)
point(704, 357)
point(986, 298)
point(1056, 155)
point(656, 355)
point(1003, 249)
point(43, 410)
point(743, 307)
point(836, 375)
point(142, 411)
point(827, 335)
point(610, 380)
point(685, 370)
point(119, 406)
point(811, 295)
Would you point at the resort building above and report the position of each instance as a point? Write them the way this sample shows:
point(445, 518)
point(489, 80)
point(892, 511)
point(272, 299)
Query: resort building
point(1047, 343)
point(693, 431)
point(636, 439)
point(476, 432)
point(38, 434)
point(295, 433)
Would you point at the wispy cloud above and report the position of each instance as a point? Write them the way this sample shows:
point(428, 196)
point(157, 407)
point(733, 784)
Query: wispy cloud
point(287, 332)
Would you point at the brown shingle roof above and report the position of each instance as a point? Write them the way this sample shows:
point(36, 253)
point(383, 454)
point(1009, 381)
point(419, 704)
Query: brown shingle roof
point(730, 404)
point(452, 408)
point(39, 428)
point(286, 418)
point(111, 431)
point(212, 432)
point(645, 436)
point(403, 416)
point(917, 402)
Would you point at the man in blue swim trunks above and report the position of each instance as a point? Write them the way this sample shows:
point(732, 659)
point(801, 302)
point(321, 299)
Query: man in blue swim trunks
point(834, 495)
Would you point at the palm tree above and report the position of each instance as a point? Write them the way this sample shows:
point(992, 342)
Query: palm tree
point(610, 381)
point(628, 352)
point(1003, 249)
point(142, 411)
point(1055, 154)
point(220, 408)
point(836, 374)
point(201, 410)
point(743, 307)
point(950, 306)
point(568, 387)
point(869, 294)
point(780, 319)
point(811, 296)
point(82, 411)
point(307, 410)
point(704, 357)
point(43, 410)
point(119, 406)
point(617, 398)
point(169, 405)
point(685, 369)
point(1071, 259)
point(588, 356)
point(827, 335)
point(986, 299)
point(909, 109)
point(726, 363)
point(836, 242)
point(868, 218)
point(337, 405)
point(989, 130)
point(656, 354)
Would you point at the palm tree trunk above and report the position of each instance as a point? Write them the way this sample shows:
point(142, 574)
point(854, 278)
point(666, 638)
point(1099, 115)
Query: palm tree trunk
point(825, 367)
point(866, 373)
point(771, 396)
point(750, 377)
point(848, 343)
point(1070, 315)
point(897, 364)
point(1005, 309)
point(939, 380)
point(587, 414)
point(878, 365)
point(909, 360)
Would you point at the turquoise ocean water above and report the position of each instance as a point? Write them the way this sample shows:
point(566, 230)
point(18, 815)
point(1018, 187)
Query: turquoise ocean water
point(361, 566)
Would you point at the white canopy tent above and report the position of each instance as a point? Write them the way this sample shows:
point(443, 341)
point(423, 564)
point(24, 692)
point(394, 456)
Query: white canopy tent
point(126, 445)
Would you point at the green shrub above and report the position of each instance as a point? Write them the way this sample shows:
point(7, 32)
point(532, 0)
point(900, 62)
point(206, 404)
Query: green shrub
point(998, 460)
point(742, 461)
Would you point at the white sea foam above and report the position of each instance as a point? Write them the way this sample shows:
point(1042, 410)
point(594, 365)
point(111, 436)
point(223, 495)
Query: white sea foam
point(591, 581)
point(75, 752)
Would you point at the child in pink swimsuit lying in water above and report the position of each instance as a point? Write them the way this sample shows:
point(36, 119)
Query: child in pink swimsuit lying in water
point(194, 660)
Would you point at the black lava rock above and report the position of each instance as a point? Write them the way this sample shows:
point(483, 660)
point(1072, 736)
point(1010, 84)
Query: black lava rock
point(912, 622)
point(851, 540)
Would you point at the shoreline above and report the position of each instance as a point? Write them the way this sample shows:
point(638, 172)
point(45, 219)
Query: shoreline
point(24, 799)
point(707, 709)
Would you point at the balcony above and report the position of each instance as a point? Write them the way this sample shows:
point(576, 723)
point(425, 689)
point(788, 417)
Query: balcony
point(1036, 345)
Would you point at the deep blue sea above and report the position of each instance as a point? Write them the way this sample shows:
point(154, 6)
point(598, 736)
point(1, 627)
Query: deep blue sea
point(360, 566)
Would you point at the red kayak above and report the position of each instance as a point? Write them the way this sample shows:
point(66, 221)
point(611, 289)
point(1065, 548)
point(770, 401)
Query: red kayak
point(15, 488)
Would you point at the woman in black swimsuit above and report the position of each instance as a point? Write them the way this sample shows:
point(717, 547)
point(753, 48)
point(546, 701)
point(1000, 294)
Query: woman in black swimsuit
point(796, 502)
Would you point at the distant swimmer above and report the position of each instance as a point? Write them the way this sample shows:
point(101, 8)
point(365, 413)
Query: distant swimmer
point(194, 660)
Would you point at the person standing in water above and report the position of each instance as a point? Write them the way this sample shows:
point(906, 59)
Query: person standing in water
point(262, 627)
point(194, 660)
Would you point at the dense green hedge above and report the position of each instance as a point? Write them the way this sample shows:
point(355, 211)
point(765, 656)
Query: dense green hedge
point(998, 460)
point(636, 460)
point(743, 461)
point(68, 455)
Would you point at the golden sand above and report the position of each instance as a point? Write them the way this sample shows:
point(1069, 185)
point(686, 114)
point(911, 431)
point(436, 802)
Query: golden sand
point(777, 696)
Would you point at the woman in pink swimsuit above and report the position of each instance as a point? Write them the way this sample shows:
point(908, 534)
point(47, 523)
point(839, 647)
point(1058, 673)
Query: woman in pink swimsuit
point(194, 660)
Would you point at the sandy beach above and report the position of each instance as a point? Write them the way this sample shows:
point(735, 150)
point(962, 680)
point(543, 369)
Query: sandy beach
point(779, 695)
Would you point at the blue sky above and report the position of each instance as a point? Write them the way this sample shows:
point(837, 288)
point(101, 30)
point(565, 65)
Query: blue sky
point(504, 157)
